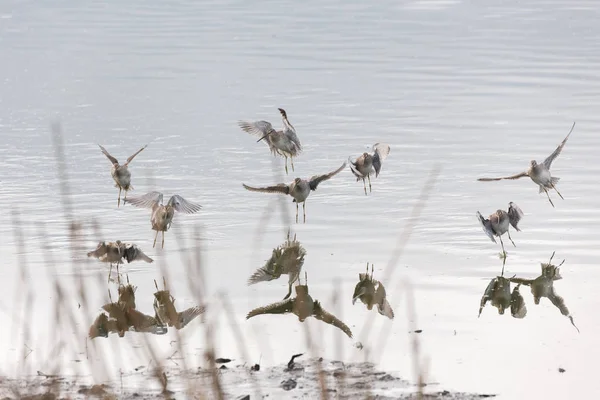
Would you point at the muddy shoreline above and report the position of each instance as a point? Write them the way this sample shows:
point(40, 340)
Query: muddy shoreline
point(303, 380)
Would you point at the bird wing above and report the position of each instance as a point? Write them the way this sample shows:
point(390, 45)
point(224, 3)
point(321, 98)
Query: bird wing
point(383, 306)
point(514, 215)
point(381, 152)
point(555, 153)
point(133, 252)
point(294, 138)
point(281, 307)
point(315, 180)
point(280, 188)
point(559, 302)
point(261, 275)
point(521, 281)
point(354, 166)
point(257, 128)
point(186, 316)
point(182, 205)
point(135, 154)
point(486, 226)
point(141, 322)
point(518, 309)
point(487, 295)
point(101, 250)
point(148, 200)
point(320, 314)
point(113, 160)
point(517, 176)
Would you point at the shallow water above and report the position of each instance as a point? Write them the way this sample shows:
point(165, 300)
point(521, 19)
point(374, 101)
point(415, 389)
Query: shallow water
point(478, 89)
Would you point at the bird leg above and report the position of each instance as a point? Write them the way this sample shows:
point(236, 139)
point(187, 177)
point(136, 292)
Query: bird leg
point(369, 178)
point(155, 236)
point(511, 238)
point(503, 263)
point(125, 198)
point(365, 186)
point(119, 198)
point(554, 187)
point(549, 199)
point(502, 244)
point(296, 212)
point(163, 239)
point(304, 210)
point(292, 162)
point(109, 272)
point(286, 169)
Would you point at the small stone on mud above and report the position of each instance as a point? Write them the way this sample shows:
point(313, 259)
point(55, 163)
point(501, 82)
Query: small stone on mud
point(561, 370)
point(288, 384)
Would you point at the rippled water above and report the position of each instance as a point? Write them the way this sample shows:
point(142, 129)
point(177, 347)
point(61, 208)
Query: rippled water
point(479, 89)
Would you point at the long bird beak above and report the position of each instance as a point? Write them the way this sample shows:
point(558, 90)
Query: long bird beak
point(264, 136)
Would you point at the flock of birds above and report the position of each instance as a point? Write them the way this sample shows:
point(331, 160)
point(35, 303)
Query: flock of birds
point(288, 258)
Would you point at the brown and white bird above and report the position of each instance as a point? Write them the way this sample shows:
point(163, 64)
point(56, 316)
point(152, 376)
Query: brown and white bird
point(371, 292)
point(498, 223)
point(162, 215)
point(120, 173)
point(303, 306)
point(540, 173)
point(367, 164)
point(284, 142)
point(287, 258)
point(299, 189)
point(116, 252)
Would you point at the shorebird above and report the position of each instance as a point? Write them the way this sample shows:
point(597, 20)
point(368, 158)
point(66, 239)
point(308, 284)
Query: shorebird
point(517, 303)
point(371, 292)
point(498, 223)
point(287, 258)
point(284, 142)
point(162, 215)
point(299, 189)
point(303, 306)
point(367, 164)
point(166, 313)
point(543, 286)
point(540, 173)
point(116, 252)
point(125, 319)
point(120, 173)
point(498, 292)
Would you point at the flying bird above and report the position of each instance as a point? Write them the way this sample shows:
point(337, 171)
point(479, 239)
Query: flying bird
point(371, 292)
point(303, 306)
point(120, 173)
point(543, 286)
point(162, 215)
point(287, 258)
point(498, 223)
point(284, 142)
point(540, 172)
point(367, 164)
point(299, 189)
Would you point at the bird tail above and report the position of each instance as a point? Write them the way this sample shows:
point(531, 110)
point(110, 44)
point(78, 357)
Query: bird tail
point(554, 180)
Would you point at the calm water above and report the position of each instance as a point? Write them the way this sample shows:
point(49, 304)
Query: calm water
point(479, 89)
